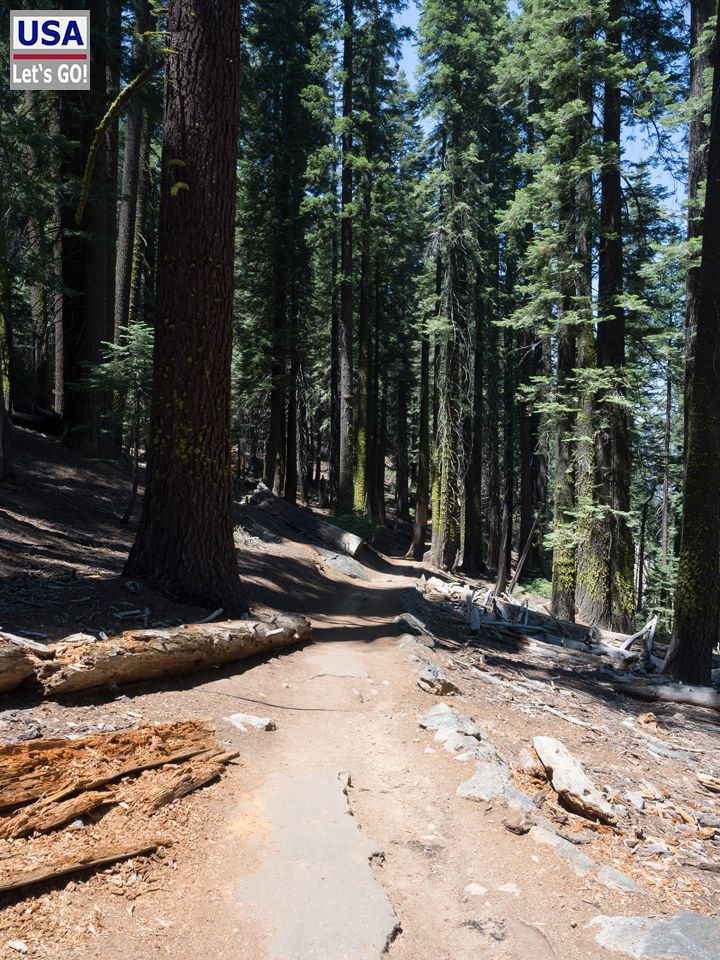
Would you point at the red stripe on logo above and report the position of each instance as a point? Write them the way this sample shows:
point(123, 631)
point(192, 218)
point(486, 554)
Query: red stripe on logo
point(49, 56)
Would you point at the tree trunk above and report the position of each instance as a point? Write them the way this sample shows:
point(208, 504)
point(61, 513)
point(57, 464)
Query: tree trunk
point(608, 598)
point(363, 441)
point(36, 287)
point(112, 151)
point(184, 545)
point(697, 595)
point(130, 179)
point(473, 559)
point(56, 296)
point(422, 489)
point(563, 570)
point(494, 507)
point(701, 12)
point(345, 472)
point(401, 454)
point(84, 255)
point(5, 463)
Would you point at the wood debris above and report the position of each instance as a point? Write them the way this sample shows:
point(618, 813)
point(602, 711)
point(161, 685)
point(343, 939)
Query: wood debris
point(46, 784)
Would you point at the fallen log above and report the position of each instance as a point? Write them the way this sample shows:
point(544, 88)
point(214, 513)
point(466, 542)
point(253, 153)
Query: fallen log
point(99, 857)
point(669, 692)
point(143, 768)
point(55, 770)
point(15, 665)
point(138, 655)
point(307, 522)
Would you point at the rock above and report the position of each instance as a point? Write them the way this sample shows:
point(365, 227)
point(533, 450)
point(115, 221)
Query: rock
point(442, 717)
point(686, 936)
point(18, 945)
point(575, 789)
point(475, 890)
point(244, 720)
point(519, 823)
point(529, 764)
point(617, 880)
point(433, 680)
point(491, 781)
point(579, 861)
point(509, 888)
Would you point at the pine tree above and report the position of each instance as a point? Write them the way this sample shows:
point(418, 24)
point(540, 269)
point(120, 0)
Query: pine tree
point(697, 596)
point(184, 545)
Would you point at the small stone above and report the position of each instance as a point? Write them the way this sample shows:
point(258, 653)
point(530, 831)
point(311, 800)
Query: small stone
point(18, 945)
point(475, 890)
point(242, 721)
point(433, 680)
point(519, 823)
point(509, 888)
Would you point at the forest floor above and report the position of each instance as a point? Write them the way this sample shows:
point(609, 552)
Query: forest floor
point(265, 863)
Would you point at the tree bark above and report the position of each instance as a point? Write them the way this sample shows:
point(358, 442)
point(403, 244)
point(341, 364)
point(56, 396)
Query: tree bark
point(701, 12)
point(131, 173)
point(84, 255)
point(697, 595)
point(608, 599)
point(345, 471)
point(184, 545)
point(473, 559)
point(422, 489)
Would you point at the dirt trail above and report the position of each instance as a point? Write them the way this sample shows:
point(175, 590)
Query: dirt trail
point(347, 703)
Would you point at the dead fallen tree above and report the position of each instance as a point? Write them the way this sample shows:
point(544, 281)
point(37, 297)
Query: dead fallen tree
point(138, 655)
point(16, 665)
point(668, 692)
point(54, 770)
point(12, 878)
point(306, 522)
point(119, 779)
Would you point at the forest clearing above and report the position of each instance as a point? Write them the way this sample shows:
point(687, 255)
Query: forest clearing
point(359, 472)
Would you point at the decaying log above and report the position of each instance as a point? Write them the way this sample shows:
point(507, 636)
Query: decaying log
point(710, 783)
point(48, 814)
point(307, 522)
point(669, 692)
point(15, 666)
point(68, 779)
point(13, 879)
point(39, 649)
point(54, 770)
point(138, 655)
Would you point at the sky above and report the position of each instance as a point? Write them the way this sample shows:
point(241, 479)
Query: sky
point(636, 145)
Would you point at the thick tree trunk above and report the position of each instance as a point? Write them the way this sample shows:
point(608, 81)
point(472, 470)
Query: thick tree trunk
point(508, 454)
point(184, 545)
point(608, 596)
point(345, 471)
point(701, 12)
point(697, 596)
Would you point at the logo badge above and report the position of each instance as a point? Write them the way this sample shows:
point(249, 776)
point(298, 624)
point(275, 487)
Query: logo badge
point(49, 50)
